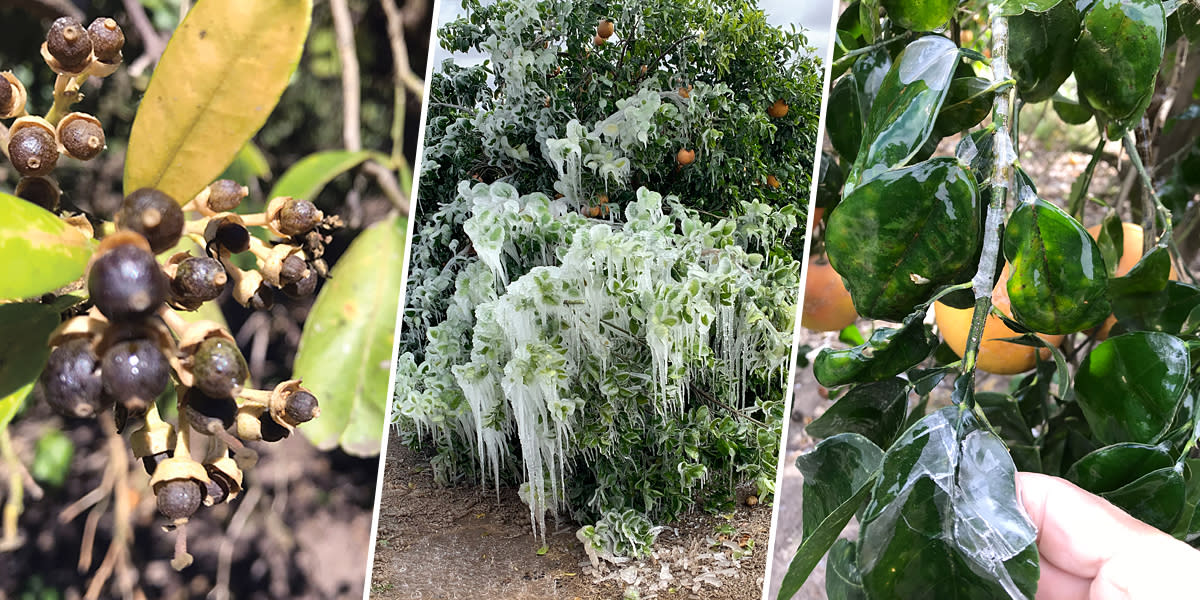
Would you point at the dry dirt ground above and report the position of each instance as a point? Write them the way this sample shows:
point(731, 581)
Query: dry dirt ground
point(1053, 172)
point(436, 542)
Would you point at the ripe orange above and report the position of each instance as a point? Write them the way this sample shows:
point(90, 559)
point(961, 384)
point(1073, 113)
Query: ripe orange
point(773, 182)
point(686, 92)
point(778, 110)
point(827, 304)
point(605, 29)
point(995, 356)
point(597, 40)
point(1132, 238)
point(685, 157)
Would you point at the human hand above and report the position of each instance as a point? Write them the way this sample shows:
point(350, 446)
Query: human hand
point(1092, 550)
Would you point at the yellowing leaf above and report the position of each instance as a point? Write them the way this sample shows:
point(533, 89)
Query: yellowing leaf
point(219, 78)
point(346, 351)
point(40, 252)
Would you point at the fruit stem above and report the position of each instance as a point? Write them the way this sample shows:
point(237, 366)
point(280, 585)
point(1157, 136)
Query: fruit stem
point(1001, 182)
point(66, 93)
point(1161, 211)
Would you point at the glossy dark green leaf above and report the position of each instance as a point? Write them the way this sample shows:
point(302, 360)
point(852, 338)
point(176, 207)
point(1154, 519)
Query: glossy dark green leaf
point(1058, 280)
point(833, 472)
point(1041, 45)
point(1015, 7)
point(870, 71)
point(1072, 113)
point(900, 236)
point(829, 186)
point(1165, 311)
point(1156, 498)
point(842, 579)
point(1184, 22)
point(968, 102)
point(889, 351)
point(1117, 58)
point(1130, 386)
point(904, 111)
point(1115, 466)
point(1111, 241)
point(944, 520)
point(1004, 413)
point(25, 329)
point(1148, 276)
point(843, 118)
point(875, 410)
point(1067, 439)
point(838, 475)
point(1191, 478)
point(923, 15)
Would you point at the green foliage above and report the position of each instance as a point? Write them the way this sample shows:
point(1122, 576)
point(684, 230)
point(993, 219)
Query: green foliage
point(41, 252)
point(585, 315)
point(1118, 416)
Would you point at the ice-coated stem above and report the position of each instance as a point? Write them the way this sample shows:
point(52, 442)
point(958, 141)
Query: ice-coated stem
point(1001, 183)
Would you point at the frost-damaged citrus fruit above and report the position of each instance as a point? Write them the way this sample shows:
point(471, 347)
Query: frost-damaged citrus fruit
point(995, 356)
point(827, 304)
point(685, 157)
point(1131, 252)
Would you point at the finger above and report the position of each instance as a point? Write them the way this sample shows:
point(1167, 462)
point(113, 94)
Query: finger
point(1057, 584)
point(1077, 531)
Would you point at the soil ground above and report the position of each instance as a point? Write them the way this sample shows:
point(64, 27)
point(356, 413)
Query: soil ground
point(438, 542)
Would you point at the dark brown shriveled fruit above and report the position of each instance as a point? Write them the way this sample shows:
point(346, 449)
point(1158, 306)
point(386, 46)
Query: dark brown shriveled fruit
point(224, 195)
point(179, 499)
point(70, 383)
point(301, 407)
point(292, 270)
point(134, 373)
point(199, 279)
point(83, 139)
point(298, 216)
point(155, 215)
point(69, 43)
point(126, 283)
point(40, 191)
point(107, 39)
point(302, 288)
point(33, 151)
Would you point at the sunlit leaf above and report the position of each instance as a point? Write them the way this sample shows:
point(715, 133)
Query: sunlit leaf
point(1130, 386)
point(346, 349)
point(40, 252)
point(1117, 58)
point(217, 82)
point(25, 329)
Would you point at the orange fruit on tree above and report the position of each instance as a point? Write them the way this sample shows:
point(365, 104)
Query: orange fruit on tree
point(1132, 238)
point(778, 110)
point(995, 356)
point(685, 157)
point(773, 182)
point(827, 303)
point(686, 92)
point(597, 40)
point(605, 29)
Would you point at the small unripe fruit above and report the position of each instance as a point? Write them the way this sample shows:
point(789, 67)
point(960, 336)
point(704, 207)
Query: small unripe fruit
point(301, 407)
point(33, 150)
point(125, 282)
point(134, 373)
point(107, 39)
point(40, 191)
point(179, 499)
point(298, 216)
point(199, 279)
point(219, 368)
point(224, 195)
point(155, 215)
point(81, 136)
point(70, 383)
point(69, 43)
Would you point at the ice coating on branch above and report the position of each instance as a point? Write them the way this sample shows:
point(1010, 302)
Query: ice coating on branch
point(924, 61)
point(983, 282)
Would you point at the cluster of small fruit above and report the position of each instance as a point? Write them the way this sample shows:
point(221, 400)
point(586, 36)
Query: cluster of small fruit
point(122, 353)
point(35, 142)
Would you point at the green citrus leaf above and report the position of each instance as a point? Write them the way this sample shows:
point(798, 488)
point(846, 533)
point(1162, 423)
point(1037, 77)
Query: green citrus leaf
point(890, 351)
point(1117, 58)
point(874, 410)
point(40, 252)
point(1059, 281)
point(842, 578)
point(1041, 44)
point(306, 178)
point(843, 118)
point(1156, 498)
point(902, 115)
point(1165, 311)
point(968, 102)
point(900, 236)
point(1130, 386)
point(838, 475)
point(346, 349)
point(1111, 467)
point(944, 520)
point(249, 164)
point(218, 80)
point(25, 328)
point(920, 15)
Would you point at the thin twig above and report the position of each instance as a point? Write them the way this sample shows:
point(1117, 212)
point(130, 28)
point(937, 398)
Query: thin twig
point(351, 95)
point(152, 42)
point(404, 73)
point(386, 178)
